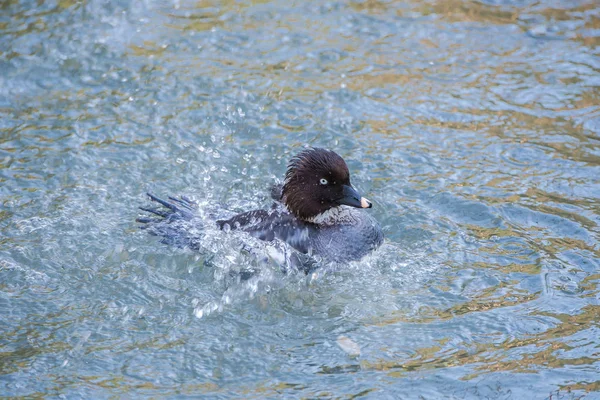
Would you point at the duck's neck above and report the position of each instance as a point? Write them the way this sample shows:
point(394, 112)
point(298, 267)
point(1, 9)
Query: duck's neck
point(333, 216)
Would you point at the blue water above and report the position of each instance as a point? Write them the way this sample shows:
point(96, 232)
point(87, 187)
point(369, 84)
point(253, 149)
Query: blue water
point(474, 127)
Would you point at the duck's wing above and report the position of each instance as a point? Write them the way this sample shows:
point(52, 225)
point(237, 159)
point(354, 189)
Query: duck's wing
point(175, 222)
point(273, 224)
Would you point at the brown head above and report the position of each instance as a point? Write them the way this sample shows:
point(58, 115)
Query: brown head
point(316, 181)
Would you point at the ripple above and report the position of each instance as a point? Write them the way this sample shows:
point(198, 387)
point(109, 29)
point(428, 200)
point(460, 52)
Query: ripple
point(472, 125)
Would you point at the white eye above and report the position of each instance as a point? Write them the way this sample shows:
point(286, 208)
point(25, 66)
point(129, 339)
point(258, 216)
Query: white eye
point(323, 181)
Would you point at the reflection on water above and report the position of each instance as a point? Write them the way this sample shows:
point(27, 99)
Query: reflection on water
point(474, 127)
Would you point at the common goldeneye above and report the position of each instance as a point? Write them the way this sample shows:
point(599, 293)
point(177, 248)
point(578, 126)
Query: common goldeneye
point(316, 212)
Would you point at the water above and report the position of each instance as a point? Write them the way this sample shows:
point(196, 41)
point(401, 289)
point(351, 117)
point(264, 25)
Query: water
point(473, 126)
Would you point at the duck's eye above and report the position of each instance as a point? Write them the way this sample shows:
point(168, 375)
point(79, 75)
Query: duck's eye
point(323, 181)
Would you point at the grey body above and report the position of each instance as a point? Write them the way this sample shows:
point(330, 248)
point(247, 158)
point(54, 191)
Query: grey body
point(351, 237)
point(348, 241)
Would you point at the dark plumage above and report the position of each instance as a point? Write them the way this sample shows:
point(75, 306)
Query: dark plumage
point(303, 193)
point(311, 213)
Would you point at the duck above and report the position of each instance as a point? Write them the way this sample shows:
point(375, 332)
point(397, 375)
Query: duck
point(316, 211)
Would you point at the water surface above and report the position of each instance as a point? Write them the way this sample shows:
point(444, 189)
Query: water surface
point(473, 126)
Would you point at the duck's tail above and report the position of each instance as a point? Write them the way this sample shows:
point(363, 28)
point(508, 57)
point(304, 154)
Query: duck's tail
point(173, 222)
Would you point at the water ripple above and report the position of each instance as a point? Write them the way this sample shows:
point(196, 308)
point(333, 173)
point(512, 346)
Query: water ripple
point(474, 127)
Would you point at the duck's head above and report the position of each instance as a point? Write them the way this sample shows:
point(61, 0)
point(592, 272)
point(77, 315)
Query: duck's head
point(316, 181)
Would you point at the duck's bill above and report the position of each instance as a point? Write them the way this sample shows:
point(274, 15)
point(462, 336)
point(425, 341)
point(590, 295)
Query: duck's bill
point(353, 199)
